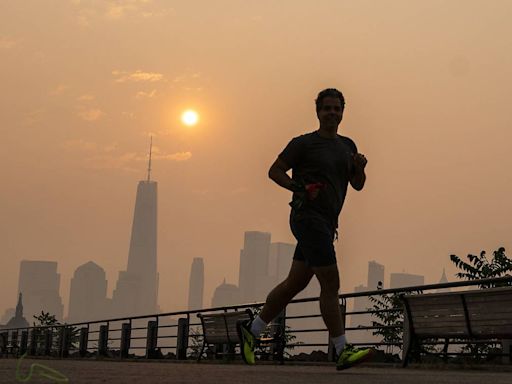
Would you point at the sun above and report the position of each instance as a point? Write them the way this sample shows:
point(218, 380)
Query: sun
point(189, 117)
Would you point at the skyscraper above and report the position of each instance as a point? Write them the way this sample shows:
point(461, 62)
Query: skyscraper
point(375, 275)
point(18, 320)
point(8, 314)
point(400, 280)
point(136, 291)
point(254, 281)
point(362, 303)
point(280, 260)
point(88, 294)
point(443, 280)
point(226, 295)
point(196, 284)
point(39, 283)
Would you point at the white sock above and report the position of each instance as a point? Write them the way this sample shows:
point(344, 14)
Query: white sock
point(339, 343)
point(257, 326)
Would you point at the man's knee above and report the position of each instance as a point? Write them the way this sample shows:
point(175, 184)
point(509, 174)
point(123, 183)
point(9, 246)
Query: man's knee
point(329, 279)
point(330, 287)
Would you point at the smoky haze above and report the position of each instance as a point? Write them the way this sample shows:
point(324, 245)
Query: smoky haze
point(84, 84)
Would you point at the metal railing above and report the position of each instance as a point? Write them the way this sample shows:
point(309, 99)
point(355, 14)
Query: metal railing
point(178, 334)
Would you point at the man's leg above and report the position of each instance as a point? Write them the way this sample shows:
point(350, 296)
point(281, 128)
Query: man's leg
point(298, 278)
point(347, 355)
point(329, 280)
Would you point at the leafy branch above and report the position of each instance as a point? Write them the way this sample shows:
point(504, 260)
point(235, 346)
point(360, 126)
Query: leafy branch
point(480, 267)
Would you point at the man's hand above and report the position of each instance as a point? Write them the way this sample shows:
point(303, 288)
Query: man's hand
point(312, 190)
point(358, 178)
point(359, 161)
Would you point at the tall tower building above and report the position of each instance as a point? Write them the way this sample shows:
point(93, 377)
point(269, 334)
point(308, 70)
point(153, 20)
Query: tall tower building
point(8, 314)
point(443, 280)
point(362, 303)
point(280, 260)
point(136, 291)
point(226, 295)
point(39, 283)
point(254, 280)
point(400, 280)
point(196, 284)
point(375, 274)
point(18, 321)
point(88, 294)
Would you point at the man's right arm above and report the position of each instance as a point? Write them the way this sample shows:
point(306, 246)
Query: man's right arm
point(277, 173)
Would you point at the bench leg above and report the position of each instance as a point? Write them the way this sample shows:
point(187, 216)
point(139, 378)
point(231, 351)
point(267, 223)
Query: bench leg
point(407, 344)
point(201, 353)
point(445, 350)
point(282, 346)
point(506, 346)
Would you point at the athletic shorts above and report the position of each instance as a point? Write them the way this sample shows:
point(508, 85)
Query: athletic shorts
point(315, 239)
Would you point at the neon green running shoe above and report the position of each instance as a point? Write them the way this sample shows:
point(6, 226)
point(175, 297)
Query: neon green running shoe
point(351, 356)
point(247, 341)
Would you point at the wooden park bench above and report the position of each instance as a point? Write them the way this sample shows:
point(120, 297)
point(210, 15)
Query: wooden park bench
point(220, 329)
point(484, 314)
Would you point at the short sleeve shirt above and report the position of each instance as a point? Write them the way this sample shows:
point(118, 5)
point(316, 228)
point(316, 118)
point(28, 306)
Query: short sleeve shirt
point(314, 159)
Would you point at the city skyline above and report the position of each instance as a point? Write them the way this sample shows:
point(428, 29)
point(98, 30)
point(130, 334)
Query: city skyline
point(97, 305)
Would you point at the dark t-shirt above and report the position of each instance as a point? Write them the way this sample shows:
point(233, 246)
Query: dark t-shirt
point(313, 159)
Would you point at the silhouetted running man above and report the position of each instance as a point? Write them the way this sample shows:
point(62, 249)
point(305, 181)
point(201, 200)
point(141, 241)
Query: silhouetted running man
point(323, 163)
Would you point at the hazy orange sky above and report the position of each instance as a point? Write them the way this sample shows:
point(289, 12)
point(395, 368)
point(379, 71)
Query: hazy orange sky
point(84, 83)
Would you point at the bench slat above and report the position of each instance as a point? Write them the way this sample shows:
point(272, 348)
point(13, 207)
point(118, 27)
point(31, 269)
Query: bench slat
point(493, 332)
point(441, 332)
point(490, 307)
point(494, 299)
point(498, 322)
point(482, 317)
point(441, 322)
point(433, 312)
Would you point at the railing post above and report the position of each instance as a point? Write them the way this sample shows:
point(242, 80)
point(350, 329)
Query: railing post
point(103, 341)
point(84, 339)
point(3, 342)
point(278, 329)
point(126, 332)
point(182, 340)
point(48, 339)
point(14, 342)
point(151, 339)
point(64, 336)
point(33, 341)
point(24, 342)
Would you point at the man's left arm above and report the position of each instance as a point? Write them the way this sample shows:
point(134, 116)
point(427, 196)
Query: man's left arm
point(358, 177)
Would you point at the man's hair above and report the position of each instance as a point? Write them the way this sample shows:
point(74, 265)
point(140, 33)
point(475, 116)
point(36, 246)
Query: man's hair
point(329, 92)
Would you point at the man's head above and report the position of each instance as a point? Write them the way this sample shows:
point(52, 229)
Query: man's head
point(330, 104)
point(329, 92)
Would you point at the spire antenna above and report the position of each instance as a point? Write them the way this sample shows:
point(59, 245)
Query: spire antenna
point(149, 165)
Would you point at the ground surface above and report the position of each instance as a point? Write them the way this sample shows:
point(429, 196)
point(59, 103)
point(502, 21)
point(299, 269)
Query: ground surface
point(91, 371)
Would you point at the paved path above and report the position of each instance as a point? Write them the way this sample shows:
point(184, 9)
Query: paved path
point(90, 371)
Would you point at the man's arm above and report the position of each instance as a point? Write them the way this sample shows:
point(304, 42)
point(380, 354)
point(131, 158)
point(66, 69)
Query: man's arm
point(358, 177)
point(277, 173)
